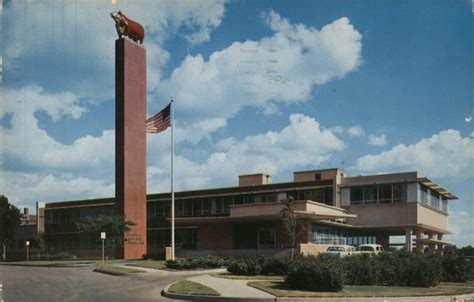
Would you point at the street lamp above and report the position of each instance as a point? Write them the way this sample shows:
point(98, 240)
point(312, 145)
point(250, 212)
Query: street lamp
point(27, 251)
point(102, 236)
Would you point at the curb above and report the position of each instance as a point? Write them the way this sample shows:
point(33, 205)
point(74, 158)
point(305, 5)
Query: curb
point(50, 265)
point(167, 294)
point(458, 298)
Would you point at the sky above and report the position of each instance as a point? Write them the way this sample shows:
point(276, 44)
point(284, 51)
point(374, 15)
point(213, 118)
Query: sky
point(259, 86)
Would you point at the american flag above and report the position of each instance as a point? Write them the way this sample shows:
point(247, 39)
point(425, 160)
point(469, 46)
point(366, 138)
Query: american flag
point(160, 121)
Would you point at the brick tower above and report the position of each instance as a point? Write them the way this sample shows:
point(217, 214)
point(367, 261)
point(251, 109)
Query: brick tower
point(130, 144)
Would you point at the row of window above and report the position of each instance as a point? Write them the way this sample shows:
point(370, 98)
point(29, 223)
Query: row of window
point(74, 242)
point(76, 214)
point(325, 234)
point(382, 193)
point(185, 238)
point(432, 198)
point(220, 204)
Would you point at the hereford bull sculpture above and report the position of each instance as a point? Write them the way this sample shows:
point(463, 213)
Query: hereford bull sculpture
point(128, 27)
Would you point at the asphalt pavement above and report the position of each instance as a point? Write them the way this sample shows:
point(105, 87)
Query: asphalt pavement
point(23, 283)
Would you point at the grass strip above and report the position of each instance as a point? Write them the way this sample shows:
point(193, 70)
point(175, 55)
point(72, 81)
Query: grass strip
point(186, 287)
point(280, 289)
point(116, 270)
point(227, 275)
point(154, 264)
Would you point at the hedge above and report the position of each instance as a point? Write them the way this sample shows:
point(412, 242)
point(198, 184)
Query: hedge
point(195, 263)
point(315, 274)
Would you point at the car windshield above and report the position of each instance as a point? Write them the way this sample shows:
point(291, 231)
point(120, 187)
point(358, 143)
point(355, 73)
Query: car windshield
point(366, 248)
point(335, 249)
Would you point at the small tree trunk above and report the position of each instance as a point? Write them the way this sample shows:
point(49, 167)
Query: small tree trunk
point(4, 254)
point(292, 253)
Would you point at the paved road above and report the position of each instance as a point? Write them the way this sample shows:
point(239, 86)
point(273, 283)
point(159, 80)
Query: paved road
point(22, 283)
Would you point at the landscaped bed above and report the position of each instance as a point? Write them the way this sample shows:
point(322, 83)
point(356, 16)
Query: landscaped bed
point(280, 289)
point(227, 275)
point(53, 263)
point(116, 270)
point(154, 264)
point(186, 287)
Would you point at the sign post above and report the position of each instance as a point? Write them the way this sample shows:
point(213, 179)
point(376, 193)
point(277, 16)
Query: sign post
point(27, 251)
point(102, 236)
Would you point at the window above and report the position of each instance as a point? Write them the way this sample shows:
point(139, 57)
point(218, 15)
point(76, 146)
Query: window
point(434, 199)
point(445, 204)
point(357, 195)
point(266, 238)
point(317, 176)
point(370, 194)
point(385, 193)
point(399, 193)
point(424, 194)
point(328, 196)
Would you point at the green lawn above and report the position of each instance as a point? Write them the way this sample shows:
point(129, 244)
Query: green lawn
point(186, 287)
point(53, 262)
point(227, 275)
point(155, 264)
point(116, 270)
point(280, 289)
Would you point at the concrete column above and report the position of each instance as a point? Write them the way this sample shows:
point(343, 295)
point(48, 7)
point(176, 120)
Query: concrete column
point(431, 246)
point(419, 243)
point(408, 243)
point(440, 245)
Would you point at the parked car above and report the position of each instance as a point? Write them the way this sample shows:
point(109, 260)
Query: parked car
point(339, 250)
point(370, 249)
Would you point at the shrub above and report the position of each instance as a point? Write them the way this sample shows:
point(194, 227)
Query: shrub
point(277, 266)
point(248, 267)
point(457, 268)
point(315, 274)
point(195, 263)
point(422, 270)
point(361, 270)
point(153, 256)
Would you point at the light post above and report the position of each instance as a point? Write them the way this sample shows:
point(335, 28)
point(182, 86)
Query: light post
point(27, 251)
point(102, 236)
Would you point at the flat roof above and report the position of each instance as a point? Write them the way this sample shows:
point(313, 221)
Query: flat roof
point(435, 187)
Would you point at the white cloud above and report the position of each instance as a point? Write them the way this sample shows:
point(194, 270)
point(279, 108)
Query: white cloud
point(303, 142)
point(377, 140)
point(282, 68)
point(27, 188)
point(28, 145)
point(356, 131)
point(444, 154)
point(61, 32)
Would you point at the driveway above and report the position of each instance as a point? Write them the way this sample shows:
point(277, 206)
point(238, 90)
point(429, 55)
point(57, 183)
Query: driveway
point(22, 283)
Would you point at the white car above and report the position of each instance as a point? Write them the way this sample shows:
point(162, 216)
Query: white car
point(370, 249)
point(339, 250)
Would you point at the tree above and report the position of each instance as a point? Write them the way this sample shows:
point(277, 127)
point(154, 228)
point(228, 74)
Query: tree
point(290, 222)
point(114, 226)
point(9, 223)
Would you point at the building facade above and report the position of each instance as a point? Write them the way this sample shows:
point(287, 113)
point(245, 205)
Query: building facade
point(331, 208)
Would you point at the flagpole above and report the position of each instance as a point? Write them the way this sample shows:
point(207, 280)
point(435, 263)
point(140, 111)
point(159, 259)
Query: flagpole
point(172, 180)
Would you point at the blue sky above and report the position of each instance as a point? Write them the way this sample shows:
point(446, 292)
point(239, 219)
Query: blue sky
point(260, 86)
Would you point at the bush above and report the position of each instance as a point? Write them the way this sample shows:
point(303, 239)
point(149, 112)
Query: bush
point(398, 268)
point(361, 270)
point(457, 268)
point(422, 270)
point(195, 263)
point(277, 266)
point(247, 267)
point(315, 274)
point(153, 256)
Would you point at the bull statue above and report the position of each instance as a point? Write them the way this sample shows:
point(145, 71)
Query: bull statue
point(128, 27)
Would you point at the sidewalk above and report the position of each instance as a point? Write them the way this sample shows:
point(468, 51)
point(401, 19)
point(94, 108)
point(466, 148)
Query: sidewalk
point(231, 288)
point(238, 290)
